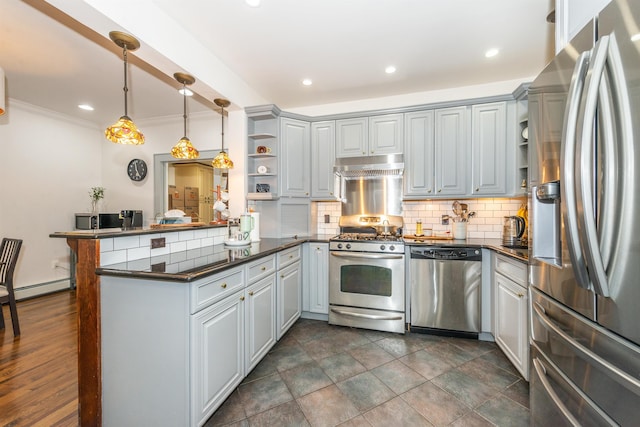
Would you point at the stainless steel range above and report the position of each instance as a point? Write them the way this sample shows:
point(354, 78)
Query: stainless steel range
point(366, 274)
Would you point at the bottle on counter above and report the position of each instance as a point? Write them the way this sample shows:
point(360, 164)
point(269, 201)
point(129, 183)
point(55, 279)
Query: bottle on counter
point(419, 228)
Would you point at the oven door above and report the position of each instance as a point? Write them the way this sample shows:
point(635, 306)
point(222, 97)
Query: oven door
point(367, 280)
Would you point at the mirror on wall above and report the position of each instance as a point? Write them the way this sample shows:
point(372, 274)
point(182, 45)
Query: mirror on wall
point(193, 186)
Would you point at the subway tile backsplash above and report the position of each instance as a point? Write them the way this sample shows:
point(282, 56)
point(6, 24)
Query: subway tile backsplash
point(130, 248)
point(487, 222)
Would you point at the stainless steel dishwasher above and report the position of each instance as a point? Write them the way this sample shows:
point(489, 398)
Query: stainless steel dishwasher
point(445, 290)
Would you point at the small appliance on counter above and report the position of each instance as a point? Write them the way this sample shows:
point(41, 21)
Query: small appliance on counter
point(88, 221)
point(512, 231)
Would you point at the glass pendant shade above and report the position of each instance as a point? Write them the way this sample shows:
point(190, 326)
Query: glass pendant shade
point(184, 149)
point(124, 131)
point(222, 160)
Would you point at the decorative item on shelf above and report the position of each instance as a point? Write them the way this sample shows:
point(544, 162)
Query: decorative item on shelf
point(262, 169)
point(2, 95)
point(124, 131)
point(261, 149)
point(263, 188)
point(96, 194)
point(525, 133)
point(222, 160)
point(183, 149)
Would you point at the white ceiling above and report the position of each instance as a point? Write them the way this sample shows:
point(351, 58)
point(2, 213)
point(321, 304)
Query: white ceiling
point(55, 62)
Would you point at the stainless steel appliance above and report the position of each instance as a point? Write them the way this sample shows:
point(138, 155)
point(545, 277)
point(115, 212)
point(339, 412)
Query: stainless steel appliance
point(585, 269)
point(88, 221)
point(366, 276)
point(513, 229)
point(446, 290)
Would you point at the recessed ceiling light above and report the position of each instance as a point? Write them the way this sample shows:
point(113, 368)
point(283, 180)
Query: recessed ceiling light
point(307, 82)
point(252, 3)
point(390, 69)
point(491, 53)
point(85, 107)
point(185, 92)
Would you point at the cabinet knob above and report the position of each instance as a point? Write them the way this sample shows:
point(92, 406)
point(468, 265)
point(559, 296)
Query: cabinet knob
point(331, 193)
point(282, 276)
point(520, 295)
point(242, 298)
point(251, 293)
point(477, 189)
point(263, 268)
point(428, 191)
point(224, 286)
point(364, 152)
point(371, 151)
point(306, 194)
point(439, 190)
point(290, 256)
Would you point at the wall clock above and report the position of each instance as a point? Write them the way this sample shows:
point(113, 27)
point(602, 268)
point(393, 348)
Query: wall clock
point(137, 170)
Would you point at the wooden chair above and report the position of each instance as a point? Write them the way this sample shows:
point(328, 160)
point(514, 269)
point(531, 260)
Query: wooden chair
point(9, 251)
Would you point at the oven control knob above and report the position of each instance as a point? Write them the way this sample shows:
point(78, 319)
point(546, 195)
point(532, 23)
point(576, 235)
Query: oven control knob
point(339, 245)
point(392, 248)
point(348, 245)
point(382, 247)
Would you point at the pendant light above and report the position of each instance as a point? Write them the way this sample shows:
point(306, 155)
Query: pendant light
point(2, 95)
point(222, 161)
point(183, 149)
point(124, 131)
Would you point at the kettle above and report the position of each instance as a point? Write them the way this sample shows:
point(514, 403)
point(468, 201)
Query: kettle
point(512, 231)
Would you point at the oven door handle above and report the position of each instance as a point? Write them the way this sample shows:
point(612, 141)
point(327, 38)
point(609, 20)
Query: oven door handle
point(366, 255)
point(367, 316)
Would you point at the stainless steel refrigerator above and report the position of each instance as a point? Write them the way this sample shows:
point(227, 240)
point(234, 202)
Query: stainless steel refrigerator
point(584, 129)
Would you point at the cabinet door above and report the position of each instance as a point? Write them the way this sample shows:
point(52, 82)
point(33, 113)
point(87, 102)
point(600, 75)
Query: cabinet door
point(489, 145)
point(260, 320)
point(352, 139)
point(386, 134)
point(419, 154)
point(511, 330)
point(451, 151)
point(295, 158)
point(217, 355)
point(534, 140)
point(323, 156)
point(289, 299)
point(319, 278)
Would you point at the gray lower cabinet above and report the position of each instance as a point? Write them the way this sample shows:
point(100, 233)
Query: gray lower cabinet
point(511, 311)
point(323, 153)
point(189, 345)
point(289, 289)
point(315, 289)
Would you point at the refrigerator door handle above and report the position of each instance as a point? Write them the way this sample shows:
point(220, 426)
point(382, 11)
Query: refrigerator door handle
point(620, 376)
point(542, 375)
point(585, 148)
point(568, 159)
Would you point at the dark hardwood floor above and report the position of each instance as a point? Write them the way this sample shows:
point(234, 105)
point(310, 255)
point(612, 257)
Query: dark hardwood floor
point(38, 370)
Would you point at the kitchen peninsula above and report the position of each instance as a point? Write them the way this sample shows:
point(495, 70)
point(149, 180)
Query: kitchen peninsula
point(125, 252)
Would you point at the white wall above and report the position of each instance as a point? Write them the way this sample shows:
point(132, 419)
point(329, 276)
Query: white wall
point(47, 166)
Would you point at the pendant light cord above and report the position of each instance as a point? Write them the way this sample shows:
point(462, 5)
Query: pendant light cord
point(126, 89)
point(184, 114)
point(222, 128)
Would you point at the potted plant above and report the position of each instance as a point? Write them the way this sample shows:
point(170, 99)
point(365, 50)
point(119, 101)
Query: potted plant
point(96, 194)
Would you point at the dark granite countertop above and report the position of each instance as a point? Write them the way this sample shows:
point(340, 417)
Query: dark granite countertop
point(105, 233)
point(194, 264)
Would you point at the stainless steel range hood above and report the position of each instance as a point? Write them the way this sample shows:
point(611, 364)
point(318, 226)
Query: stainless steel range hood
point(355, 167)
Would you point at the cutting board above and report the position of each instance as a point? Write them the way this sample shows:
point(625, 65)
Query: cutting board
point(190, 224)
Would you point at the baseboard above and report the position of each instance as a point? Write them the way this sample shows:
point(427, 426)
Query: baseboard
point(314, 316)
point(41, 289)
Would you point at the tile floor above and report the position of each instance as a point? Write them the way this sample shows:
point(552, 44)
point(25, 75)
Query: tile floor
point(324, 375)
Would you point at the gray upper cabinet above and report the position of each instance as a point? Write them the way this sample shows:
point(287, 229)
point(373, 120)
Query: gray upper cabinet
point(489, 147)
point(451, 151)
point(352, 137)
point(419, 151)
point(370, 136)
point(323, 149)
point(295, 157)
point(386, 134)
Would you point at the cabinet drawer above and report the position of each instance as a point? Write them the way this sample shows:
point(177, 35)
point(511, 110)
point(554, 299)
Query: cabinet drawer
point(288, 256)
point(261, 268)
point(514, 270)
point(207, 291)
